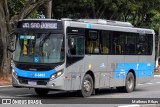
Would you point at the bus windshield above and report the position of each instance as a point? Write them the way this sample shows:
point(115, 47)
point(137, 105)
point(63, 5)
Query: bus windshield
point(39, 48)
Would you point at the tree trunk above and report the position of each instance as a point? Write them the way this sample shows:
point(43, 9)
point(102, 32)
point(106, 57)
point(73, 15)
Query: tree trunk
point(5, 66)
point(158, 44)
point(49, 9)
point(5, 28)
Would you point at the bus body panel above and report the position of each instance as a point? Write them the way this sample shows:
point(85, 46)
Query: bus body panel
point(74, 74)
point(98, 65)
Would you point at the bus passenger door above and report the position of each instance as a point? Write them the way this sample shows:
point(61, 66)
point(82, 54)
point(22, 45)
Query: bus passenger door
point(75, 62)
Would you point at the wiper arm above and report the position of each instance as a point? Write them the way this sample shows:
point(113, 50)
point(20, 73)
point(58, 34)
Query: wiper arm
point(44, 39)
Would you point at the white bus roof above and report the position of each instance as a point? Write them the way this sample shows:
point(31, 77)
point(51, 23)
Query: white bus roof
point(107, 22)
point(118, 25)
point(93, 21)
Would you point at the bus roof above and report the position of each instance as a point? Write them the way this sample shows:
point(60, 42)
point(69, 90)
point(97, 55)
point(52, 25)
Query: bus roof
point(93, 21)
point(100, 22)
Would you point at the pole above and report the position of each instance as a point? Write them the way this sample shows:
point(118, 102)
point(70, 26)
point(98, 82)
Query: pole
point(49, 9)
point(157, 59)
point(158, 42)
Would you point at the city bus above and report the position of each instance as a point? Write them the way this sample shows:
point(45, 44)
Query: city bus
point(81, 55)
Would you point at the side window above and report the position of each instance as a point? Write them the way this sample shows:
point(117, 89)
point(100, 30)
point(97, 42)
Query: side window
point(140, 44)
point(117, 43)
point(92, 44)
point(150, 44)
point(105, 42)
point(130, 44)
point(144, 44)
point(76, 45)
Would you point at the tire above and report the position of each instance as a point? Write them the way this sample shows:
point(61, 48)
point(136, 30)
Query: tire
point(41, 92)
point(87, 86)
point(129, 83)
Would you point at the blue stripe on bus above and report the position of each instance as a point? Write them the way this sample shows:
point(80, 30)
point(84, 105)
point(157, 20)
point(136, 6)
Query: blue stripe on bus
point(34, 74)
point(141, 69)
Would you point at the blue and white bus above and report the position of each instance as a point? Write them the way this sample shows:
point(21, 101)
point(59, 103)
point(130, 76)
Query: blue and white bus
point(81, 55)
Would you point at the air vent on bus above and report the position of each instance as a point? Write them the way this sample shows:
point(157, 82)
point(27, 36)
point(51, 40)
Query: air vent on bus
point(107, 22)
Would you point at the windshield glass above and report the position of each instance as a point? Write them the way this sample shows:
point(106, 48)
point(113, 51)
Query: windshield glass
point(39, 48)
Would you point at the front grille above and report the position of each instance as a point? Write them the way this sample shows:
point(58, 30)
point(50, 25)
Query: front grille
point(38, 67)
point(37, 81)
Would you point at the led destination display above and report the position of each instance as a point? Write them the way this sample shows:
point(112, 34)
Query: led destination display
point(40, 25)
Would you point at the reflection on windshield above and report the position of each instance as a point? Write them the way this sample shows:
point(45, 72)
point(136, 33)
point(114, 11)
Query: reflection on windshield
point(39, 48)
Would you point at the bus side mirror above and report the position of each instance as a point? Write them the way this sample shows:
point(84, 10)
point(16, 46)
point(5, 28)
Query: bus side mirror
point(10, 46)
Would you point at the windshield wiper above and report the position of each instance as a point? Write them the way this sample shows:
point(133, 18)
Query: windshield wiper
point(44, 39)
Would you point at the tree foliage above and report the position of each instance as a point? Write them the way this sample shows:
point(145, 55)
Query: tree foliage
point(10, 12)
point(141, 13)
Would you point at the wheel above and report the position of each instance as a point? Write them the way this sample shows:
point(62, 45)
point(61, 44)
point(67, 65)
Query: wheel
point(87, 86)
point(129, 83)
point(41, 92)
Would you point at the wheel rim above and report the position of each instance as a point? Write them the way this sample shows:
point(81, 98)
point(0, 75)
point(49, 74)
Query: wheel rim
point(130, 82)
point(87, 86)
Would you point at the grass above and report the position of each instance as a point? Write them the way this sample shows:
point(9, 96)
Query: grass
point(156, 73)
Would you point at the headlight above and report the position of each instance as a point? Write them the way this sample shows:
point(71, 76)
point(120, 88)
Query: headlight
point(53, 77)
point(14, 73)
point(57, 74)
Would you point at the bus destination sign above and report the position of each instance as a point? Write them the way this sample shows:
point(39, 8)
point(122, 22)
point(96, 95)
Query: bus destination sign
point(39, 25)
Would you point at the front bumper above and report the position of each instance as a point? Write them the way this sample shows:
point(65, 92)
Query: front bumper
point(54, 84)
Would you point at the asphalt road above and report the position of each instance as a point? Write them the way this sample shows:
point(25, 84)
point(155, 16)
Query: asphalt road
point(108, 97)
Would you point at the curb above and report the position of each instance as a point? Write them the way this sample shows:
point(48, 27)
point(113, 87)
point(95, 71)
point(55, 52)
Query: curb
point(5, 86)
point(134, 105)
point(156, 75)
point(137, 105)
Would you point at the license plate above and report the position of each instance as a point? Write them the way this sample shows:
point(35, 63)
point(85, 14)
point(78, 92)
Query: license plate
point(32, 82)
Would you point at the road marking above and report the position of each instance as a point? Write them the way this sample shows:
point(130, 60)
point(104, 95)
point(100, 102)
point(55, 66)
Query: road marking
point(134, 105)
point(23, 95)
point(156, 75)
point(149, 83)
point(5, 86)
point(140, 84)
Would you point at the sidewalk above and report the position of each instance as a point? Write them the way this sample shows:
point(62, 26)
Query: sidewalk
point(156, 75)
point(5, 82)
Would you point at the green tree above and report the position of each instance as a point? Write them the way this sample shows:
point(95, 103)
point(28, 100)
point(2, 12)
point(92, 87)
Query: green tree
point(140, 13)
point(10, 12)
